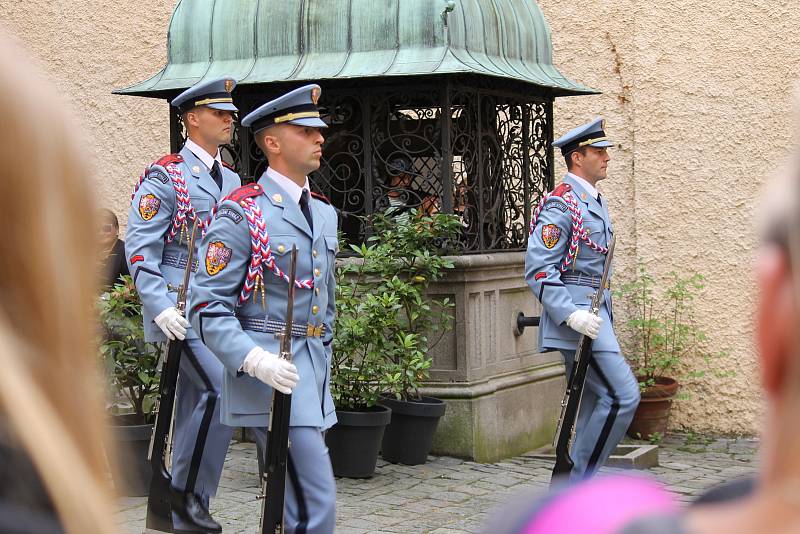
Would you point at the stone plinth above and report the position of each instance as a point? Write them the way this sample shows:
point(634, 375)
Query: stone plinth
point(503, 395)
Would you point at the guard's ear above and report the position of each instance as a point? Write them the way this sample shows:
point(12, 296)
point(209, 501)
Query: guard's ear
point(776, 319)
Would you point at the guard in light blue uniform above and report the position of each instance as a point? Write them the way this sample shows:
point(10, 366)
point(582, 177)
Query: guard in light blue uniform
point(173, 192)
point(563, 267)
point(238, 301)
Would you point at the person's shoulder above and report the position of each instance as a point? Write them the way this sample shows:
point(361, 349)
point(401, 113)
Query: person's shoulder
point(160, 169)
point(324, 203)
point(244, 192)
point(559, 198)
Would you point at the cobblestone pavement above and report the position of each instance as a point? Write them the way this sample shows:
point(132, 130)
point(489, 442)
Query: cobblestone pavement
point(448, 495)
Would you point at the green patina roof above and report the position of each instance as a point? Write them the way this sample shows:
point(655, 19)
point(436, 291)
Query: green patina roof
point(263, 41)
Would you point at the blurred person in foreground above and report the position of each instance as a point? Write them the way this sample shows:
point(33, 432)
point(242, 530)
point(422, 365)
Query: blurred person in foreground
point(770, 503)
point(53, 475)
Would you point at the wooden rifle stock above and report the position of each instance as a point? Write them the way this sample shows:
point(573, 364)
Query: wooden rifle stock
point(276, 452)
point(570, 405)
point(159, 508)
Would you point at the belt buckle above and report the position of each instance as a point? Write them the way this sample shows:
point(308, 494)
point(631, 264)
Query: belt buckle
point(314, 331)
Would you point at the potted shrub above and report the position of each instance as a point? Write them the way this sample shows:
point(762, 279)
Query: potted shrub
point(132, 366)
point(659, 335)
point(402, 258)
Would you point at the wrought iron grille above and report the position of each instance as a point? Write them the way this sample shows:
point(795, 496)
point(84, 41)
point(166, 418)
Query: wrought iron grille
point(456, 146)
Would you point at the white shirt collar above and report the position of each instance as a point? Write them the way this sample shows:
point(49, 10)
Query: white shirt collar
point(288, 185)
point(202, 155)
point(590, 189)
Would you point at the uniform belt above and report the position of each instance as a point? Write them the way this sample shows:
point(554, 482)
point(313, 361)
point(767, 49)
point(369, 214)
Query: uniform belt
point(178, 261)
point(259, 324)
point(578, 278)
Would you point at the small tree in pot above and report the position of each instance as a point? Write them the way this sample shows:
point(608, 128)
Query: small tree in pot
point(133, 370)
point(661, 333)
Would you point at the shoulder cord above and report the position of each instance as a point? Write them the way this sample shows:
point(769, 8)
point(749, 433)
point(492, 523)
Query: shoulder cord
point(185, 211)
point(260, 255)
point(578, 233)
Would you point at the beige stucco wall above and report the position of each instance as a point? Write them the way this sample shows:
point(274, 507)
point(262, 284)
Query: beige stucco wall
point(696, 94)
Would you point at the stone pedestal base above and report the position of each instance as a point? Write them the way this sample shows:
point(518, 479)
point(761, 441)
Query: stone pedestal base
point(503, 394)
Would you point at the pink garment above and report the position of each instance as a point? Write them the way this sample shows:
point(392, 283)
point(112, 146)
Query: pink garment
point(602, 505)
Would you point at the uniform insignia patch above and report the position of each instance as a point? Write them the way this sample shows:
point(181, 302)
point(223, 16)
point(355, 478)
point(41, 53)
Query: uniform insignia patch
point(277, 197)
point(555, 205)
point(230, 214)
point(136, 259)
point(160, 176)
point(196, 169)
point(148, 206)
point(583, 196)
point(540, 275)
point(217, 257)
point(551, 233)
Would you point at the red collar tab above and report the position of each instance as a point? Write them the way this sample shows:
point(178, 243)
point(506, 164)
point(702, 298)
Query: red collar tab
point(321, 197)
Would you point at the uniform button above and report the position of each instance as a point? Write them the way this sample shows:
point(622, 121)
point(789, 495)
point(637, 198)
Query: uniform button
point(317, 272)
point(281, 248)
point(316, 291)
point(314, 309)
point(314, 253)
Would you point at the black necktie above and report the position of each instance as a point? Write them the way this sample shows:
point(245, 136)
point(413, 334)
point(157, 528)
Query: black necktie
point(305, 208)
point(216, 174)
point(599, 198)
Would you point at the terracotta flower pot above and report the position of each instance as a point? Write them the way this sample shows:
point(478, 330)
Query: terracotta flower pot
point(652, 415)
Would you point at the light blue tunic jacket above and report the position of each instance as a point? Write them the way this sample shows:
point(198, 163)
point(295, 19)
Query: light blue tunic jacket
point(215, 310)
point(547, 247)
point(155, 266)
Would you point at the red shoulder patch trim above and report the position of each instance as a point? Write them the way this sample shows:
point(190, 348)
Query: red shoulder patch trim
point(321, 197)
point(561, 189)
point(136, 259)
point(246, 191)
point(540, 275)
point(169, 158)
point(228, 165)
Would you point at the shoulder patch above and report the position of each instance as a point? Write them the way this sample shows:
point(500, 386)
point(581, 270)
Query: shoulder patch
point(246, 191)
point(229, 213)
point(321, 197)
point(169, 158)
point(553, 204)
point(561, 189)
point(158, 175)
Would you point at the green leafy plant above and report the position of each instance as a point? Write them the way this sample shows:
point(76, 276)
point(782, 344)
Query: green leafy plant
point(661, 332)
point(132, 363)
point(385, 323)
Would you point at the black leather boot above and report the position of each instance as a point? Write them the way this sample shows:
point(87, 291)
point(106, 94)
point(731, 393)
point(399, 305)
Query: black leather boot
point(191, 509)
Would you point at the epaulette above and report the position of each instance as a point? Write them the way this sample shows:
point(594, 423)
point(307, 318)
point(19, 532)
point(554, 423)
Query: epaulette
point(168, 159)
point(320, 196)
point(560, 190)
point(228, 165)
point(246, 191)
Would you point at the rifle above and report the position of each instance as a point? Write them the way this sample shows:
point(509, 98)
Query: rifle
point(159, 508)
point(276, 453)
point(570, 405)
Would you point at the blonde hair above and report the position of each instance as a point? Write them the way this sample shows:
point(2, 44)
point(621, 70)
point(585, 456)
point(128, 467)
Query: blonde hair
point(50, 389)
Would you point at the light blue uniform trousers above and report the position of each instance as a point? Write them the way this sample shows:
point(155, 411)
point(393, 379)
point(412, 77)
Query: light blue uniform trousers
point(200, 440)
point(610, 398)
point(310, 502)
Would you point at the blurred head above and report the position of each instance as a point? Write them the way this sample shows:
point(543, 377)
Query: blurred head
point(109, 228)
point(50, 393)
point(778, 278)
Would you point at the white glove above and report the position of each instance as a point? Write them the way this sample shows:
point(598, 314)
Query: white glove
point(585, 322)
point(172, 323)
point(271, 369)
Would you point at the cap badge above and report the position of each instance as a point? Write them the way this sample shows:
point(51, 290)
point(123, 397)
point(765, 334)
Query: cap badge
point(228, 86)
point(315, 94)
